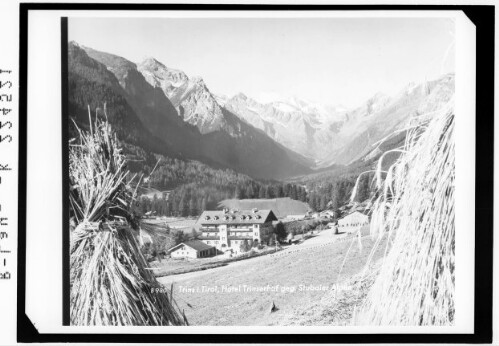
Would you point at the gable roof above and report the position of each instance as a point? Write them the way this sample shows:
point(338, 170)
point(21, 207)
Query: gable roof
point(355, 213)
point(249, 217)
point(194, 244)
point(330, 212)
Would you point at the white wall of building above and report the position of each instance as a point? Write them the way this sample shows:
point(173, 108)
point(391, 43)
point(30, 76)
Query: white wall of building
point(250, 231)
point(184, 252)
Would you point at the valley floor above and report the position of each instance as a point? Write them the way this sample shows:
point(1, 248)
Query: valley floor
point(301, 281)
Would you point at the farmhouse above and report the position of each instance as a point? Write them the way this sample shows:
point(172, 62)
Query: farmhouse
point(353, 221)
point(327, 214)
point(228, 230)
point(192, 249)
point(296, 217)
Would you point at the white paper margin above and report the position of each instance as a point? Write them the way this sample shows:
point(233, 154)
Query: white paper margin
point(44, 205)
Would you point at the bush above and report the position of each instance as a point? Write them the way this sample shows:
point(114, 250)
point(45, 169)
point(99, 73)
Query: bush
point(280, 231)
point(245, 247)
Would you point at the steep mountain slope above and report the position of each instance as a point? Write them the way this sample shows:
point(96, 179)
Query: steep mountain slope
point(91, 84)
point(225, 137)
point(363, 129)
point(252, 151)
point(155, 111)
point(297, 124)
point(191, 97)
point(208, 112)
point(230, 144)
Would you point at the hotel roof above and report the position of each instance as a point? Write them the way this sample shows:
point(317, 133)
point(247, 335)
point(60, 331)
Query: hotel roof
point(236, 217)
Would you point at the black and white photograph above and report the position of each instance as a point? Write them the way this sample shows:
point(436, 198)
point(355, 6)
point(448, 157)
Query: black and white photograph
point(261, 171)
point(271, 172)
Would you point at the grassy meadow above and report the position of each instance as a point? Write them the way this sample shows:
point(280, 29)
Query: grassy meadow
point(293, 272)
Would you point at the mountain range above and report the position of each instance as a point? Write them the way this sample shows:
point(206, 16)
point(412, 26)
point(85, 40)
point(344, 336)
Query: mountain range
point(139, 107)
point(336, 135)
point(163, 110)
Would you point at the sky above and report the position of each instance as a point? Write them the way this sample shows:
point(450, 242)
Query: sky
point(327, 60)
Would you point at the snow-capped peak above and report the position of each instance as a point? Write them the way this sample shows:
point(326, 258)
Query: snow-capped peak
point(160, 72)
point(285, 107)
point(151, 61)
point(221, 99)
point(239, 96)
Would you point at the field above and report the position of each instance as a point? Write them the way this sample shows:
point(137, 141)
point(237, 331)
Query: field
point(180, 223)
point(174, 267)
point(295, 279)
point(171, 266)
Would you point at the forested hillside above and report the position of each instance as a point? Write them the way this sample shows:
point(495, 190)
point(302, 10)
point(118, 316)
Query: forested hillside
point(232, 144)
point(332, 189)
point(191, 186)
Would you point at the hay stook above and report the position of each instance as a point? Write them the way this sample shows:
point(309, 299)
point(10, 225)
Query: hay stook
point(414, 208)
point(109, 283)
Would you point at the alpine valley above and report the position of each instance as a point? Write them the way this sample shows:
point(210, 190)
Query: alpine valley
point(160, 112)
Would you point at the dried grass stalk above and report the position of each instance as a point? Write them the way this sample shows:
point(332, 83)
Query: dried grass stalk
point(415, 208)
point(109, 282)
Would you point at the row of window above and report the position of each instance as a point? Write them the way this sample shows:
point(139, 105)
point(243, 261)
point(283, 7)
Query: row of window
point(242, 226)
point(239, 242)
point(239, 233)
point(201, 253)
point(233, 217)
point(235, 242)
point(353, 224)
point(243, 234)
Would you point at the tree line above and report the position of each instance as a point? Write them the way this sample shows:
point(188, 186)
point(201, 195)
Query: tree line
point(332, 192)
point(192, 199)
point(190, 187)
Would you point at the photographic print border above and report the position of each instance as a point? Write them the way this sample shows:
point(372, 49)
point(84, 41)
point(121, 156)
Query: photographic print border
point(484, 19)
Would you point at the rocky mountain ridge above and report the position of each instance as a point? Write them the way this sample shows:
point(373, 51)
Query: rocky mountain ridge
point(190, 96)
point(280, 132)
point(174, 126)
point(336, 135)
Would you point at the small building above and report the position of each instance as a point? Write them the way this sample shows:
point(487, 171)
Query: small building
point(296, 217)
point(327, 214)
point(228, 230)
point(353, 221)
point(192, 249)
